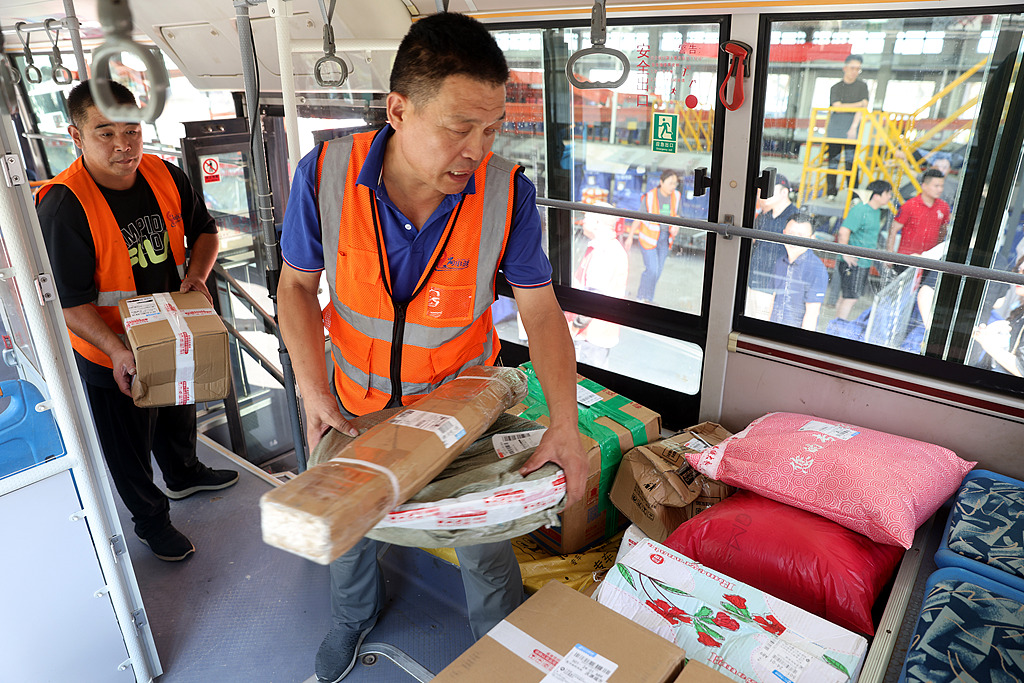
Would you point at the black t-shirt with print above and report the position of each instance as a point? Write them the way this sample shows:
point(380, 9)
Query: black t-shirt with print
point(73, 254)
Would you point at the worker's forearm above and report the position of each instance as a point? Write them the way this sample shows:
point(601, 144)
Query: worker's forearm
point(86, 323)
point(203, 256)
point(554, 360)
point(303, 333)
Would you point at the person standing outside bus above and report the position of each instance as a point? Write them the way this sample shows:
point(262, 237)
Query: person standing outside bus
point(859, 229)
point(775, 214)
point(656, 238)
point(851, 91)
point(411, 224)
point(800, 279)
point(921, 224)
point(116, 223)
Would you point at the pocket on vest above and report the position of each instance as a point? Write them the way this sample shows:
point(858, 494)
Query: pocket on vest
point(360, 266)
point(451, 304)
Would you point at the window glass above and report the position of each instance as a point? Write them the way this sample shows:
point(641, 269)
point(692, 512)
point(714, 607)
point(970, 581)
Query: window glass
point(881, 124)
point(620, 158)
point(638, 354)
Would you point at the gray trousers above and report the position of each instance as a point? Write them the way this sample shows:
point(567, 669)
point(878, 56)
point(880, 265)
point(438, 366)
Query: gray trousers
point(490, 575)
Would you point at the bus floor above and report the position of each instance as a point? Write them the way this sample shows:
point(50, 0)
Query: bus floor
point(239, 610)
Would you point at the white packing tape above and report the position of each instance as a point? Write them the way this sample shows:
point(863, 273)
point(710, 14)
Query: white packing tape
point(184, 351)
point(483, 508)
point(396, 488)
point(525, 646)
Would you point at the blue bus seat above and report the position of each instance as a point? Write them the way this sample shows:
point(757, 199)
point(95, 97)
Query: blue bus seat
point(27, 437)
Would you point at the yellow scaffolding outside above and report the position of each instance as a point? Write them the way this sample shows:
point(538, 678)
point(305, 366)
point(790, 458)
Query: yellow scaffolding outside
point(887, 145)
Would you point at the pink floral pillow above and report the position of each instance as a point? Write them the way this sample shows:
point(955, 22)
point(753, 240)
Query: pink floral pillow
point(881, 485)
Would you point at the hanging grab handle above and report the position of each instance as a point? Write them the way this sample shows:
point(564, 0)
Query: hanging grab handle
point(32, 73)
point(61, 75)
point(329, 58)
point(116, 19)
point(739, 69)
point(597, 37)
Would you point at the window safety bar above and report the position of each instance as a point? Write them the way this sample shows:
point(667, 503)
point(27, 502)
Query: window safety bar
point(728, 231)
point(330, 58)
point(60, 74)
point(116, 19)
point(597, 37)
point(32, 73)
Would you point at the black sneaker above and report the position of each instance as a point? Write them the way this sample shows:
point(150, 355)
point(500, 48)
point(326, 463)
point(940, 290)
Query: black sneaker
point(338, 653)
point(170, 545)
point(210, 480)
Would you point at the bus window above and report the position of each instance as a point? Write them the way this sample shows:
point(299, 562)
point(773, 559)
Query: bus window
point(873, 140)
point(665, 362)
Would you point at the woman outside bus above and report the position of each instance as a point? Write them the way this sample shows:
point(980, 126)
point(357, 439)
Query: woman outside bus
point(656, 238)
point(1002, 339)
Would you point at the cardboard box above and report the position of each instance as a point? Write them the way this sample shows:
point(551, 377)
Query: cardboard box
point(610, 425)
point(656, 489)
point(548, 631)
point(695, 672)
point(728, 625)
point(324, 511)
point(180, 346)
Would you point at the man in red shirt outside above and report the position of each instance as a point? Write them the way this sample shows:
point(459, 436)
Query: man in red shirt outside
point(922, 220)
point(922, 223)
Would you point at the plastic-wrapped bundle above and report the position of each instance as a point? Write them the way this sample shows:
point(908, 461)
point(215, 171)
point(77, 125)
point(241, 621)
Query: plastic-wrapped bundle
point(479, 498)
point(323, 512)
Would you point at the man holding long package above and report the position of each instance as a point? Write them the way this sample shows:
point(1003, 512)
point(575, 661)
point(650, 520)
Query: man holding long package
point(116, 224)
point(411, 224)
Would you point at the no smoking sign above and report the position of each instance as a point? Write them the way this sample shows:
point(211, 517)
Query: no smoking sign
point(211, 170)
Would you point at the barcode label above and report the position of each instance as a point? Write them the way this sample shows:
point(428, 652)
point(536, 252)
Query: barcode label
point(696, 444)
point(510, 444)
point(785, 661)
point(582, 665)
point(446, 427)
point(145, 305)
point(586, 397)
point(835, 431)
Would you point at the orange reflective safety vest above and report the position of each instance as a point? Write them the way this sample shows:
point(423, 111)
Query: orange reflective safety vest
point(650, 232)
point(114, 277)
point(389, 353)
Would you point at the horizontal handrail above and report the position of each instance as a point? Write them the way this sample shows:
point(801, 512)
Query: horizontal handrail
point(264, 362)
point(254, 306)
point(729, 231)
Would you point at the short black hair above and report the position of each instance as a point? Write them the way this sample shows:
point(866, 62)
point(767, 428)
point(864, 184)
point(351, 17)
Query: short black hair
point(80, 99)
point(853, 58)
point(802, 217)
point(878, 187)
point(931, 173)
point(442, 45)
point(667, 173)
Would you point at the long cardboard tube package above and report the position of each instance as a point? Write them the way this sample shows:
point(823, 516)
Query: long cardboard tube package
point(324, 511)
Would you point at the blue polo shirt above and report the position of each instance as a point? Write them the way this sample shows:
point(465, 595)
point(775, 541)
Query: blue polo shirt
point(797, 284)
point(409, 250)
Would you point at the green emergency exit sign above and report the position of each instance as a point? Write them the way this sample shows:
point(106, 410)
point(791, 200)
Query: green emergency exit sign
point(666, 131)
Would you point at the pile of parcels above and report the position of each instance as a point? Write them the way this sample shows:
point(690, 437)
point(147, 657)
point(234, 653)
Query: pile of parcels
point(756, 556)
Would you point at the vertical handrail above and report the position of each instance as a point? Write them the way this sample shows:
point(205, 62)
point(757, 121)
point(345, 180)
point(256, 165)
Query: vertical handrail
point(265, 215)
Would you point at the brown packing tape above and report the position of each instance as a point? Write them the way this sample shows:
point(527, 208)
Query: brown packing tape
point(324, 511)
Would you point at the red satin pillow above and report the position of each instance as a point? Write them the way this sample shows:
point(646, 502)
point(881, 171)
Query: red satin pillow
point(806, 560)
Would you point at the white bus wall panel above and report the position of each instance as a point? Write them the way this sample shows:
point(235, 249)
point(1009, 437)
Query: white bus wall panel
point(755, 386)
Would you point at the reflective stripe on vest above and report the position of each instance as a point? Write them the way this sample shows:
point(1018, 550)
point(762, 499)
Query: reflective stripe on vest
point(650, 232)
point(114, 277)
point(446, 327)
